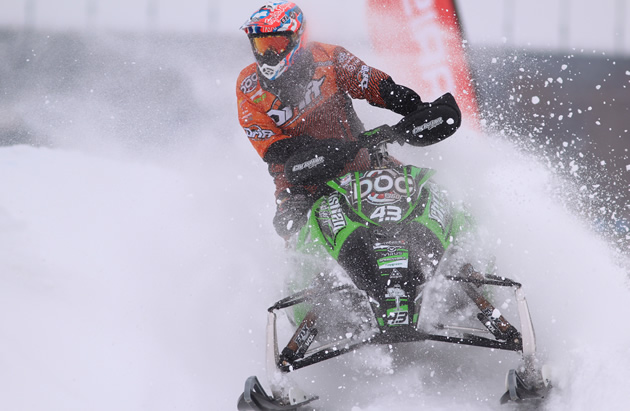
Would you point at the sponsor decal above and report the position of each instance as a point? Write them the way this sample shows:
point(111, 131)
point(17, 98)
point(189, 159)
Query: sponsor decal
point(261, 98)
point(365, 77)
point(313, 92)
point(278, 13)
point(249, 83)
point(348, 61)
point(309, 164)
point(430, 125)
point(304, 335)
point(324, 63)
point(389, 245)
point(337, 217)
point(258, 134)
point(398, 258)
point(439, 210)
point(382, 187)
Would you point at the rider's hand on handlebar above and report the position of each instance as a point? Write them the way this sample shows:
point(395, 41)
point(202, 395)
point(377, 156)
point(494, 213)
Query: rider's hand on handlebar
point(374, 137)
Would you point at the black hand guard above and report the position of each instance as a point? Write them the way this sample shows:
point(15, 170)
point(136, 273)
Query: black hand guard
point(431, 123)
point(320, 161)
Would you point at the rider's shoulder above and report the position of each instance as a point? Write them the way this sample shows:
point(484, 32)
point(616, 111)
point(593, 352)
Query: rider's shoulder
point(247, 80)
point(333, 53)
point(326, 52)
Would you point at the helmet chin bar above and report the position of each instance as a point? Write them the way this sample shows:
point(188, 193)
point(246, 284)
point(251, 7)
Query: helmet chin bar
point(272, 72)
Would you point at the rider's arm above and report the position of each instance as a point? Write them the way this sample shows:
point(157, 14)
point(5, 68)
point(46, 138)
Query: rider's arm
point(299, 160)
point(271, 143)
point(259, 127)
point(442, 116)
point(320, 161)
point(266, 138)
point(361, 81)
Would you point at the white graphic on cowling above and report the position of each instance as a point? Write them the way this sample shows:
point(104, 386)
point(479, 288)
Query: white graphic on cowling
point(382, 187)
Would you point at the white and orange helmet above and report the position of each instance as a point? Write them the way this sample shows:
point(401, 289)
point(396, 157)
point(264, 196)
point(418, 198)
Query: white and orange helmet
point(276, 33)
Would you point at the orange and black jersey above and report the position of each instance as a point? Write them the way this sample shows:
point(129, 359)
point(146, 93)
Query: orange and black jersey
point(315, 105)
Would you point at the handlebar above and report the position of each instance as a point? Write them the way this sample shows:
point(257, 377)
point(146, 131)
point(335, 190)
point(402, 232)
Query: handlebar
point(376, 141)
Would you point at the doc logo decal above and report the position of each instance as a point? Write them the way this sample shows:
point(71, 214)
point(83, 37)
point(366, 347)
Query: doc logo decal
point(249, 83)
point(382, 187)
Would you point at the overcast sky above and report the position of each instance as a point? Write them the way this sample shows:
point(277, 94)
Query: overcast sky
point(550, 24)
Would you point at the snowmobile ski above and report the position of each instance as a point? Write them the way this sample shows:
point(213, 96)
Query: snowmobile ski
point(254, 398)
point(519, 390)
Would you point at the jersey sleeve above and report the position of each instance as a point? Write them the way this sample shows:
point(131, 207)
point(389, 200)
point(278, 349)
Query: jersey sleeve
point(260, 129)
point(262, 132)
point(358, 79)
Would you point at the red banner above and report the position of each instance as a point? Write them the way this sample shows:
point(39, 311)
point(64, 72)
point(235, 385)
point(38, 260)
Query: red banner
point(422, 42)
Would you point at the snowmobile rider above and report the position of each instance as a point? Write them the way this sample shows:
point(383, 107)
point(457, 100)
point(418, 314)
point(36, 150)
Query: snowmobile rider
point(295, 106)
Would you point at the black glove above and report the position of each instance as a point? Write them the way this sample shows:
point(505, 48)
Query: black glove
point(291, 213)
point(399, 99)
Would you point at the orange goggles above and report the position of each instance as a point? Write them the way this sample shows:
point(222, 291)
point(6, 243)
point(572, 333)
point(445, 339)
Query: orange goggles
point(277, 43)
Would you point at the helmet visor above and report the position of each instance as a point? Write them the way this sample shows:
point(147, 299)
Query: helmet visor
point(277, 43)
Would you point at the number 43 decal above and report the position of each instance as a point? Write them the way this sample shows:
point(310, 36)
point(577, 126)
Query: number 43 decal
point(398, 318)
point(386, 213)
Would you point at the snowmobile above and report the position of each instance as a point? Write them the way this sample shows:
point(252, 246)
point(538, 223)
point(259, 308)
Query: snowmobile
point(407, 233)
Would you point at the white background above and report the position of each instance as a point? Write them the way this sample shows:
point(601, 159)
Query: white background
point(542, 24)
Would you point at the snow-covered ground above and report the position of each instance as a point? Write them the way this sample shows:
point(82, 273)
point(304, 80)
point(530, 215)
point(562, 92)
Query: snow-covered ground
point(137, 279)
